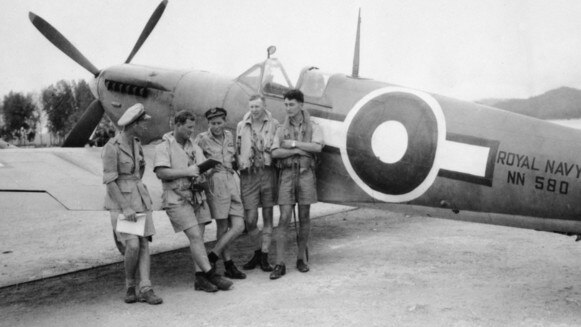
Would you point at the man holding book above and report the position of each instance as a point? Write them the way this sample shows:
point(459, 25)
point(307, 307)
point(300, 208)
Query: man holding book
point(176, 163)
point(223, 189)
point(123, 168)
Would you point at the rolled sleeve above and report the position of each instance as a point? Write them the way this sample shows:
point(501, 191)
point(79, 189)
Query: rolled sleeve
point(198, 140)
point(199, 155)
point(317, 134)
point(276, 139)
point(162, 156)
point(109, 157)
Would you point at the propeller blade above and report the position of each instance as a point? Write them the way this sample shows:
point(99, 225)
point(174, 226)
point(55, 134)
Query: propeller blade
point(56, 38)
point(147, 29)
point(79, 135)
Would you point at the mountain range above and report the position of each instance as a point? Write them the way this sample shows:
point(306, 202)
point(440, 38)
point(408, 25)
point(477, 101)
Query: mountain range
point(561, 103)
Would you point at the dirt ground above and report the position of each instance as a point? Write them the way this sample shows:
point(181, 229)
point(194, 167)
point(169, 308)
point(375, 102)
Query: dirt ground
point(368, 268)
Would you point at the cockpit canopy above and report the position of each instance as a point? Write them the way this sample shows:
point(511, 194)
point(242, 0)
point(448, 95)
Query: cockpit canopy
point(270, 78)
point(312, 82)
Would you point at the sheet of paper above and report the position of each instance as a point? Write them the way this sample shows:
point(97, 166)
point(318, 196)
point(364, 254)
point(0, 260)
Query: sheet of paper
point(130, 227)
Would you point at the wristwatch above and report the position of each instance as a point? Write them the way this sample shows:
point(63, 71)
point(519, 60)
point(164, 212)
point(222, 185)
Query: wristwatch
point(294, 144)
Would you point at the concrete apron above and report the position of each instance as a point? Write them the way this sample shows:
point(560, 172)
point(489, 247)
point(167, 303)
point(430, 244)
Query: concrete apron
point(41, 242)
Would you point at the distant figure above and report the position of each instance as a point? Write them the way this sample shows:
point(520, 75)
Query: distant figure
point(295, 145)
point(223, 189)
point(102, 135)
point(176, 164)
point(255, 134)
point(123, 168)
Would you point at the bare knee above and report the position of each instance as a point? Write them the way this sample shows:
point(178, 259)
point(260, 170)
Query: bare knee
point(132, 245)
point(267, 217)
point(267, 229)
point(252, 227)
point(237, 225)
point(281, 231)
point(193, 233)
point(251, 218)
point(304, 212)
point(221, 226)
point(143, 243)
point(286, 211)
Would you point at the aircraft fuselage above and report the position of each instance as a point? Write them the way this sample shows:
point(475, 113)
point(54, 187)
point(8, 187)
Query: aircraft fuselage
point(390, 146)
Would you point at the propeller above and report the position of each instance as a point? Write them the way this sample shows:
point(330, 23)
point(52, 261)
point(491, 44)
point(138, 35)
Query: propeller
point(147, 29)
point(81, 132)
point(61, 42)
point(83, 129)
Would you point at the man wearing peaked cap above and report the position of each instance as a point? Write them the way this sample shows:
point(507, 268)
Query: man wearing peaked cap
point(176, 164)
point(132, 114)
point(215, 112)
point(224, 189)
point(126, 197)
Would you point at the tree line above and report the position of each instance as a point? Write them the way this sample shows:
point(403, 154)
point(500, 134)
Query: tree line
point(62, 103)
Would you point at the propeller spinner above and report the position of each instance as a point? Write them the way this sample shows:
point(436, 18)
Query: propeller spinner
point(81, 132)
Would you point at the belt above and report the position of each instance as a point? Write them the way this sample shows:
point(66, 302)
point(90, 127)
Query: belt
point(253, 169)
point(140, 188)
point(181, 184)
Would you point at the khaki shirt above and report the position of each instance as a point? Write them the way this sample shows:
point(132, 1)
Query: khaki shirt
point(125, 166)
point(170, 153)
point(223, 151)
point(254, 148)
point(316, 138)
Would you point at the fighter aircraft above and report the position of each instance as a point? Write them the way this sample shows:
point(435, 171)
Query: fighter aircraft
point(386, 146)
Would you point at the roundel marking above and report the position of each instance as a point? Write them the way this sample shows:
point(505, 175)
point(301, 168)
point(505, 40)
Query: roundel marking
point(389, 141)
point(394, 136)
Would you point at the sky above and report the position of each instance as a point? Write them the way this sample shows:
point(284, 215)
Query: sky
point(463, 49)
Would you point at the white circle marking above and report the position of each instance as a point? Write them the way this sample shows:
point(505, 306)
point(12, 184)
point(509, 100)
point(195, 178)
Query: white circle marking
point(441, 137)
point(389, 141)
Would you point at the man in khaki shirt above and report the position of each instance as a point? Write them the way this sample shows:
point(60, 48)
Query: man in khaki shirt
point(176, 164)
point(123, 168)
point(295, 145)
point(223, 189)
point(255, 134)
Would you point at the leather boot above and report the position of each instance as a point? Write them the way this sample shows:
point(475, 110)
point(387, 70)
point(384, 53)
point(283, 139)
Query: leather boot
point(232, 272)
point(264, 265)
point(221, 283)
point(302, 266)
point(254, 261)
point(201, 283)
point(131, 296)
point(279, 271)
point(149, 297)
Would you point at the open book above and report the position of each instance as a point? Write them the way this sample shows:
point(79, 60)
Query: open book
point(130, 227)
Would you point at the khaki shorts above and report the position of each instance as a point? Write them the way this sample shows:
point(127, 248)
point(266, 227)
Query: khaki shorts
point(258, 188)
point(297, 187)
point(224, 196)
point(184, 217)
point(123, 237)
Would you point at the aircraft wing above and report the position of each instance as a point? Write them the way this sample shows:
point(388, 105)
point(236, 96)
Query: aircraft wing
point(572, 123)
point(69, 178)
